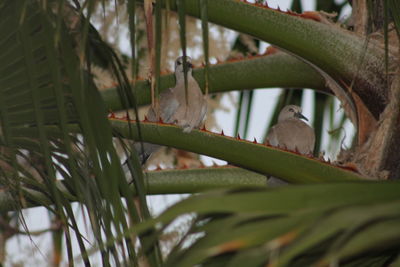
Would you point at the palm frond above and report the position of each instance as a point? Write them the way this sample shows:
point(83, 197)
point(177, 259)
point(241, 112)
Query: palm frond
point(296, 226)
point(52, 86)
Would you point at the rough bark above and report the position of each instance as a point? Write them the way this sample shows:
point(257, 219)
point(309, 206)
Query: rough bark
point(379, 157)
point(360, 16)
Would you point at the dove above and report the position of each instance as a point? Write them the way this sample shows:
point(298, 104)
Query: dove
point(291, 133)
point(173, 107)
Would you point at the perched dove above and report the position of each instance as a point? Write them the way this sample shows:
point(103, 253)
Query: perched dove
point(291, 133)
point(173, 107)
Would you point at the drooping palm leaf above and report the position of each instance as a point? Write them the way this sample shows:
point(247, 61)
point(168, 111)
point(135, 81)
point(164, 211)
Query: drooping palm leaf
point(44, 82)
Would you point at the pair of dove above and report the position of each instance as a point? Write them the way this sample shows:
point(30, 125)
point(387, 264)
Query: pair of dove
point(290, 132)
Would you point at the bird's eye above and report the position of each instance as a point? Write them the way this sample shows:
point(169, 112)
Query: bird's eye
point(179, 63)
point(291, 110)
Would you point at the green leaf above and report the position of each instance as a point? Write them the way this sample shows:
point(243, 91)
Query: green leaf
point(156, 182)
point(283, 71)
point(325, 46)
point(256, 157)
point(288, 223)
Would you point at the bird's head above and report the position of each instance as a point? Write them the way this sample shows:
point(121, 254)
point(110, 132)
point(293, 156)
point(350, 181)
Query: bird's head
point(291, 111)
point(179, 69)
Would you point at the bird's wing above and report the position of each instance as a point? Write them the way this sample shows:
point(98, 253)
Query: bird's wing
point(167, 107)
point(202, 112)
point(309, 138)
point(190, 116)
point(293, 135)
point(272, 137)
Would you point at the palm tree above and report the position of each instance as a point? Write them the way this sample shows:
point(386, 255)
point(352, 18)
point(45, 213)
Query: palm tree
point(58, 142)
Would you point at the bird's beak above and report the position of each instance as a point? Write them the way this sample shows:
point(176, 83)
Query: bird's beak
point(300, 116)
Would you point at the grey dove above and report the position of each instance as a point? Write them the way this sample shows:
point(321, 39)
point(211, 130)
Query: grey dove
point(291, 133)
point(173, 107)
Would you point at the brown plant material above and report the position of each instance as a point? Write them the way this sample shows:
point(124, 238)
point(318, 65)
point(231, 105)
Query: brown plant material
point(229, 246)
point(271, 50)
point(366, 121)
point(148, 13)
point(344, 156)
point(313, 15)
point(379, 156)
point(185, 159)
point(360, 17)
point(283, 240)
point(341, 92)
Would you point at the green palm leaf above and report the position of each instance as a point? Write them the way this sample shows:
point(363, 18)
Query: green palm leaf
point(321, 224)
